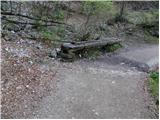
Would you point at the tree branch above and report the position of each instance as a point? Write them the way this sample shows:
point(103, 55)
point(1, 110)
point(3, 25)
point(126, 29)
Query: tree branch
point(29, 17)
point(17, 22)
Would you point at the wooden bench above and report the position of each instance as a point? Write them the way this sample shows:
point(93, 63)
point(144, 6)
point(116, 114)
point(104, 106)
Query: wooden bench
point(68, 50)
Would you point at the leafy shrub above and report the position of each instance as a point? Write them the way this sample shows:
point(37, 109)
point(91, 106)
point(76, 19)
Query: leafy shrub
point(154, 76)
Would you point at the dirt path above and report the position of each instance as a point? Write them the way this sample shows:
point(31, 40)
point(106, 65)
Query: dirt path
point(105, 88)
point(37, 86)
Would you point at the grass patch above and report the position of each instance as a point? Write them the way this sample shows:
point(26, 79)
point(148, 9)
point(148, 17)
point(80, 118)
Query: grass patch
point(154, 85)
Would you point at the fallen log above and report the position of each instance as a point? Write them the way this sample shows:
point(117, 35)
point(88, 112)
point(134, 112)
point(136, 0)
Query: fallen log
point(69, 50)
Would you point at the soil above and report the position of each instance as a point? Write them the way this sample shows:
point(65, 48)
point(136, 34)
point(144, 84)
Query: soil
point(36, 86)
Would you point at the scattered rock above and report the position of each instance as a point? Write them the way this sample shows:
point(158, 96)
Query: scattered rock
point(122, 63)
point(113, 82)
point(27, 86)
point(9, 35)
point(54, 53)
point(30, 62)
point(96, 113)
point(19, 87)
point(39, 46)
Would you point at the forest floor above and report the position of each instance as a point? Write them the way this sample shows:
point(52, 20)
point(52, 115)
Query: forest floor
point(112, 86)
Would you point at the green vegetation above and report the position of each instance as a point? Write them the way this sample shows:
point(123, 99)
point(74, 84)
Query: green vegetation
point(52, 34)
point(97, 7)
point(95, 52)
point(91, 54)
point(48, 10)
point(91, 20)
point(154, 84)
point(95, 18)
point(144, 18)
point(147, 21)
point(48, 35)
point(59, 15)
point(112, 48)
point(148, 37)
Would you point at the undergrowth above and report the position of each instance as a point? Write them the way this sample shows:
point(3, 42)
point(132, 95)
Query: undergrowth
point(154, 85)
point(150, 38)
point(148, 21)
point(93, 53)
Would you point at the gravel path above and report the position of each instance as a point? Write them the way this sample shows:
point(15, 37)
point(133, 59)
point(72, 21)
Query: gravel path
point(99, 89)
point(112, 86)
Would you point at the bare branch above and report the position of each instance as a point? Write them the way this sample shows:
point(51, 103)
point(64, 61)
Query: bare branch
point(29, 17)
point(17, 22)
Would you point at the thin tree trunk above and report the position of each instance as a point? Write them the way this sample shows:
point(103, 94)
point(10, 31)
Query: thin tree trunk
point(122, 9)
point(11, 6)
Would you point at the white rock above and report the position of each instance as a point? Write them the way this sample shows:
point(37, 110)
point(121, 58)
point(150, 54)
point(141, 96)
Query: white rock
point(29, 70)
point(93, 110)
point(113, 82)
point(19, 87)
point(30, 62)
point(80, 55)
point(53, 53)
point(96, 113)
point(58, 49)
point(122, 63)
point(25, 106)
point(12, 31)
point(7, 49)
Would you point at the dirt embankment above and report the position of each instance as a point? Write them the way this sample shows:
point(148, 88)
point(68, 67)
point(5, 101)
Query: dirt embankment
point(25, 77)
